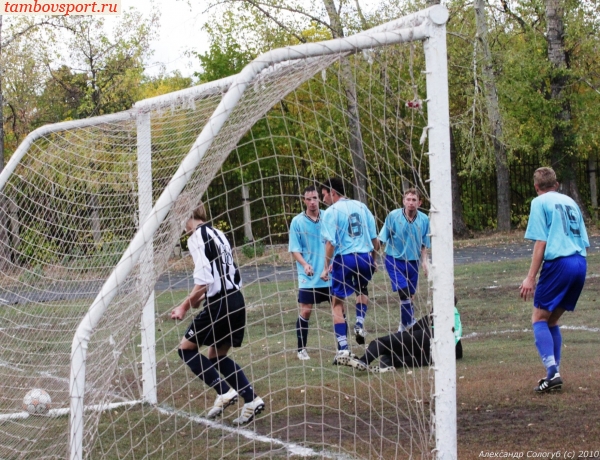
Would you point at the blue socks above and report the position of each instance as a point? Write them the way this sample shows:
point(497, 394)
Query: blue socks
point(302, 332)
point(235, 377)
point(557, 338)
point(545, 346)
point(204, 369)
point(341, 335)
point(407, 314)
point(361, 312)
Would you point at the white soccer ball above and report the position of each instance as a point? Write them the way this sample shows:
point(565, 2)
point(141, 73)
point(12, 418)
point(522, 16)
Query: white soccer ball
point(37, 402)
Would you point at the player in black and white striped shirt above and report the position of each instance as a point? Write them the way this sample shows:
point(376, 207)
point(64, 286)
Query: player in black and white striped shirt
point(221, 323)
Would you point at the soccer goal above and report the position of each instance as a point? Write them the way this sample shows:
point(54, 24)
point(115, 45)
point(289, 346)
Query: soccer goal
point(93, 259)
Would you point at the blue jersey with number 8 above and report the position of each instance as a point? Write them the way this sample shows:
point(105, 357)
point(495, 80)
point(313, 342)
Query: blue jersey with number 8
point(349, 226)
point(556, 219)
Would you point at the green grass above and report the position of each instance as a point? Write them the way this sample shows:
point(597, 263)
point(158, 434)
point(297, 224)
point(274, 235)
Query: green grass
point(340, 411)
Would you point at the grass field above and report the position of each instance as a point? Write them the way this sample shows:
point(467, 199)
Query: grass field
point(324, 411)
point(497, 410)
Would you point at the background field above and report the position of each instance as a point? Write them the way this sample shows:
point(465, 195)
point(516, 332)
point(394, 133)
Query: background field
point(497, 409)
point(336, 412)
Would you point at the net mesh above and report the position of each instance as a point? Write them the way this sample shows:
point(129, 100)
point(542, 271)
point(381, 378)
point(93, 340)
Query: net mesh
point(72, 207)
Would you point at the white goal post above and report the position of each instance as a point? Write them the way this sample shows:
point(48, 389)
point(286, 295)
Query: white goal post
point(226, 110)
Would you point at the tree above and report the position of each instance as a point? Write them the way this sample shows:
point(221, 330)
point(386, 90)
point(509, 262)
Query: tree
point(495, 121)
point(292, 26)
point(562, 149)
point(106, 67)
point(17, 30)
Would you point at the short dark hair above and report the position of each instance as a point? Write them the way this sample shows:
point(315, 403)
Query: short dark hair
point(336, 184)
point(310, 188)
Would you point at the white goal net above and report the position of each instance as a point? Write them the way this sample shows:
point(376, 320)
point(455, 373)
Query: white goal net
point(93, 260)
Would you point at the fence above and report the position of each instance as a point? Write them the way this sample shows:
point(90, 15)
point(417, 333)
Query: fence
point(275, 200)
point(478, 194)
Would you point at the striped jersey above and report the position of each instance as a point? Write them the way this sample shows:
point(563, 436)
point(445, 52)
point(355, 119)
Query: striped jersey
point(213, 261)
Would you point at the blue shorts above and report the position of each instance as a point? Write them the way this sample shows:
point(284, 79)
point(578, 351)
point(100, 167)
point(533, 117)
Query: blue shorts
point(351, 274)
point(403, 274)
point(560, 284)
point(314, 295)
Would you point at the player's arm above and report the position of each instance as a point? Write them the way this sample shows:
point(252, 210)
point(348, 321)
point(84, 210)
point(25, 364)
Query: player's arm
point(425, 260)
point(308, 269)
point(528, 285)
point(329, 249)
point(376, 248)
point(193, 300)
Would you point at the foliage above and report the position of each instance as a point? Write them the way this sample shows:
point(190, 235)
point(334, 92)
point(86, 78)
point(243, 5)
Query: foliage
point(252, 249)
point(163, 84)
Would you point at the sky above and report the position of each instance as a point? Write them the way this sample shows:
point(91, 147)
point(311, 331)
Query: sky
point(180, 24)
point(180, 31)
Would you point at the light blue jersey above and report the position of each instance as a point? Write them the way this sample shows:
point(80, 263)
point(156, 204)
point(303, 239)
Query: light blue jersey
point(349, 226)
point(404, 239)
point(556, 219)
point(305, 238)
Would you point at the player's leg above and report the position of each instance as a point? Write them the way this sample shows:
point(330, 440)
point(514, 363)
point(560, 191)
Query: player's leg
point(545, 347)
point(411, 281)
point(558, 289)
point(204, 368)
point(362, 302)
point(305, 300)
point(340, 290)
point(235, 376)
point(363, 274)
point(200, 332)
point(380, 348)
point(229, 325)
point(201, 366)
point(231, 371)
point(340, 327)
point(578, 269)
point(396, 270)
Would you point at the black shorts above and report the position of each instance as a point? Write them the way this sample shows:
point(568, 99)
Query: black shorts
point(221, 321)
point(314, 295)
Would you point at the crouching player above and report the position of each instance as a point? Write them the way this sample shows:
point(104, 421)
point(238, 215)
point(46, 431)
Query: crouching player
point(410, 348)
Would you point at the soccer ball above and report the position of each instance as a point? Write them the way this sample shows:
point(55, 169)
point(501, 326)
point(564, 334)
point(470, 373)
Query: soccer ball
point(37, 402)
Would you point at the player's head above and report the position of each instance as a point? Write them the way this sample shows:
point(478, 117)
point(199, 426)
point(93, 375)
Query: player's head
point(197, 216)
point(544, 179)
point(311, 198)
point(331, 189)
point(411, 200)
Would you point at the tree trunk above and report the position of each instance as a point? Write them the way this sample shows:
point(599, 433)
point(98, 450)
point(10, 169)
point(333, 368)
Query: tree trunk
point(5, 249)
point(359, 161)
point(459, 228)
point(493, 110)
point(95, 218)
point(563, 149)
point(592, 165)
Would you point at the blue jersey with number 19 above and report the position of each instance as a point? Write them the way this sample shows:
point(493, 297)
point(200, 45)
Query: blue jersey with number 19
point(556, 219)
point(349, 226)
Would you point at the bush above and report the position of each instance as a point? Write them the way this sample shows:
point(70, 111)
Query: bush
point(252, 249)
